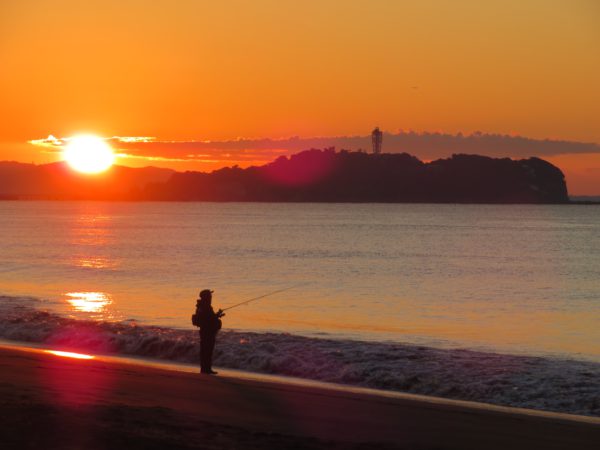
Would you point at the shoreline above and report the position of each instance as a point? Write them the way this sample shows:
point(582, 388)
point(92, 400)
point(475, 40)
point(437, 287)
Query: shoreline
point(545, 384)
point(290, 381)
point(125, 200)
point(237, 409)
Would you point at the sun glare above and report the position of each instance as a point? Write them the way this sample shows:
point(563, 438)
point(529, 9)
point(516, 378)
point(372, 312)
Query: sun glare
point(69, 354)
point(88, 154)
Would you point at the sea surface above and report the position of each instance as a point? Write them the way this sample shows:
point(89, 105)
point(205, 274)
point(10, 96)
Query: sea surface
point(498, 304)
point(515, 279)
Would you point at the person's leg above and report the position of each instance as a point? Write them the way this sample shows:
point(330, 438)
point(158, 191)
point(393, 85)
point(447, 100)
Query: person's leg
point(205, 354)
point(207, 345)
point(210, 351)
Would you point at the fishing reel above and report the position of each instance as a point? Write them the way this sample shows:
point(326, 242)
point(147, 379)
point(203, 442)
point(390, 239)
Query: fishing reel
point(220, 313)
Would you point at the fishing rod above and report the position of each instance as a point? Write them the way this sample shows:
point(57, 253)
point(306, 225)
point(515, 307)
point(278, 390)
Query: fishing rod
point(263, 296)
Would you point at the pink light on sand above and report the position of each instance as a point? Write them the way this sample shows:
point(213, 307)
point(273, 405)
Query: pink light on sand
point(72, 380)
point(69, 354)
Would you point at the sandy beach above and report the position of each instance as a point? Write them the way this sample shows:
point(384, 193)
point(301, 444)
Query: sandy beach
point(50, 401)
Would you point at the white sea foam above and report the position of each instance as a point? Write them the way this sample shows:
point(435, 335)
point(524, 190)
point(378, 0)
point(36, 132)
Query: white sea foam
point(541, 383)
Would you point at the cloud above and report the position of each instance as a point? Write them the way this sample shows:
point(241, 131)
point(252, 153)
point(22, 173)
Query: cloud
point(245, 152)
point(50, 141)
point(423, 145)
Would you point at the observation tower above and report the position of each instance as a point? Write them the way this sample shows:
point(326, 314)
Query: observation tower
point(377, 138)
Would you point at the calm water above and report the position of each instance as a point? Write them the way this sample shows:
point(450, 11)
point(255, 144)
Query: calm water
point(519, 279)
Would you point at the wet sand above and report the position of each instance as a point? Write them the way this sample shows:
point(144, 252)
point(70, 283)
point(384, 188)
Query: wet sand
point(50, 402)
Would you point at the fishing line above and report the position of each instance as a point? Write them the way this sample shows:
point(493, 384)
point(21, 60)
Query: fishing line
point(263, 296)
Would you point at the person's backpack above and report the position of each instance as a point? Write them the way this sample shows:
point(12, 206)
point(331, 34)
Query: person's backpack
point(195, 320)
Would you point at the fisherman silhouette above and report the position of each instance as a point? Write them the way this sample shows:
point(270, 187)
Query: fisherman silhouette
point(210, 324)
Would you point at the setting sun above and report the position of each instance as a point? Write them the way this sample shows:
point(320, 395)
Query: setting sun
point(88, 154)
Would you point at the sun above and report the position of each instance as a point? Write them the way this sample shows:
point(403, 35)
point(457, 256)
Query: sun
point(88, 154)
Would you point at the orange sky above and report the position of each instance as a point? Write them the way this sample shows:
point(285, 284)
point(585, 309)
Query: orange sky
point(197, 70)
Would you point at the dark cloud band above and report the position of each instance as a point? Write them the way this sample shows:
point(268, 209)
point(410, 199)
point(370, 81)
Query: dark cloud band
point(423, 145)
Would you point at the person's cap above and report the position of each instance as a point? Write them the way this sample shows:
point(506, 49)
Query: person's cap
point(205, 293)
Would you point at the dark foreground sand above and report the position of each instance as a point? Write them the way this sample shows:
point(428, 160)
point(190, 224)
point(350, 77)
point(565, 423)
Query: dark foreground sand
point(49, 402)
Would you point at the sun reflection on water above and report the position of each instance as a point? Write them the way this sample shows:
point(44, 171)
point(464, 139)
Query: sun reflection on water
point(91, 302)
point(92, 230)
point(94, 262)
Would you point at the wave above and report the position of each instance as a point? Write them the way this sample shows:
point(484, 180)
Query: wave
point(562, 385)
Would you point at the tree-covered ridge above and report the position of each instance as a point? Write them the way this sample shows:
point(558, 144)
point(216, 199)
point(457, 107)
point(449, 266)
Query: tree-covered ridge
point(329, 176)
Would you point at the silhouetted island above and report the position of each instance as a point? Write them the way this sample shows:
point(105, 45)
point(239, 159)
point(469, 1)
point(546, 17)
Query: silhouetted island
point(329, 176)
point(308, 176)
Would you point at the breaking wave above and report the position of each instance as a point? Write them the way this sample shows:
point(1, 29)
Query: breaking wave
point(562, 385)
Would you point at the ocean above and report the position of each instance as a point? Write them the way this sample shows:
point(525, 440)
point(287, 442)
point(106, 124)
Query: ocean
point(373, 288)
